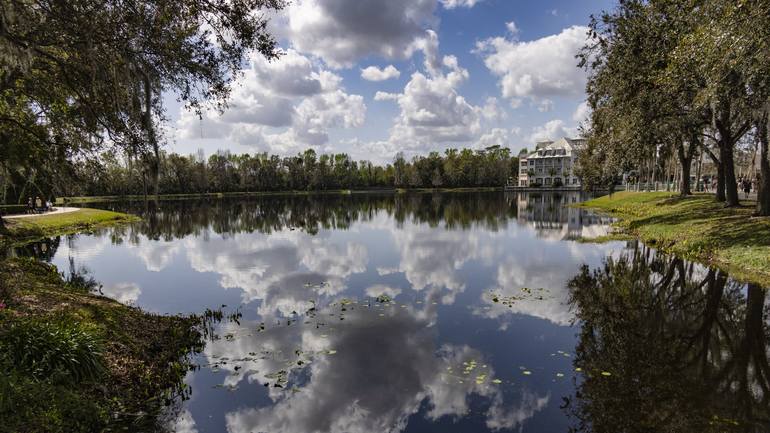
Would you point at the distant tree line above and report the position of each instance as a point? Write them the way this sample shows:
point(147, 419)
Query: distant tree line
point(307, 171)
point(679, 80)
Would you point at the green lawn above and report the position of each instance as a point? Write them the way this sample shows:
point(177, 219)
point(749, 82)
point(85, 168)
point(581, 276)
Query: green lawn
point(696, 228)
point(24, 229)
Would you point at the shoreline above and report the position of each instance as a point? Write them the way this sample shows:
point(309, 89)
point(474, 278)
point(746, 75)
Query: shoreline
point(129, 365)
point(219, 195)
point(695, 227)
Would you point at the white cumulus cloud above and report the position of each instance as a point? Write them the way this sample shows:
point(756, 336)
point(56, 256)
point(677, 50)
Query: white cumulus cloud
point(497, 137)
point(538, 69)
point(432, 109)
point(452, 4)
point(373, 73)
point(552, 130)
point(344, 31)
point(582, 113)
point(280, 106)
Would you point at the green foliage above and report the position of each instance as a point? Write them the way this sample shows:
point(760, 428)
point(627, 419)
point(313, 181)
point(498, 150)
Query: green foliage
point(69, 87)
point(226, 172)
point(61, 350)
point(30, 405)
point(670, 80)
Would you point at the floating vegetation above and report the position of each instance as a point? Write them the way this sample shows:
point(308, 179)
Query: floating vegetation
point(281, 379)
point(526, 294)
point(469, 366)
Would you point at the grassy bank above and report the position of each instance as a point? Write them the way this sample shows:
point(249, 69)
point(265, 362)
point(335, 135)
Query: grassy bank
point(696, 228)
point(27, 229)
point(74, 361)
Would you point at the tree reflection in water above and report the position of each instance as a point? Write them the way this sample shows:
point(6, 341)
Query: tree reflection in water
point(668, 346)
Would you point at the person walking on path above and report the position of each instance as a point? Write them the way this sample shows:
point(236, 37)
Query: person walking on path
point(30, 205)
point(747, 187)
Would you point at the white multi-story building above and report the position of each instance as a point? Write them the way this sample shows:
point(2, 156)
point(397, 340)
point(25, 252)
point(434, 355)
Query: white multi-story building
point(551, 164)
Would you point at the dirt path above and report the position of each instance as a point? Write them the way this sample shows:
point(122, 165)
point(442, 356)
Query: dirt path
point(57, 210)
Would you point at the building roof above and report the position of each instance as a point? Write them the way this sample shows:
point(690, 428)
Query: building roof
point(554, 148)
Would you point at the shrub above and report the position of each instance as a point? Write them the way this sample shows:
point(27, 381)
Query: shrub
point(60, 350)
point(29, 405)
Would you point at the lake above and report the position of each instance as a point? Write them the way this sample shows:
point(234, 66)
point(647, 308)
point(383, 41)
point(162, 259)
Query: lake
point(463, 312)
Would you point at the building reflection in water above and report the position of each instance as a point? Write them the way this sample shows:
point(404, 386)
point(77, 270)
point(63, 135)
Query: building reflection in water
point(553, 215)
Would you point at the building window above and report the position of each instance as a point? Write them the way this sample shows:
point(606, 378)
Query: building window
point(531, 162)
point(547, 180)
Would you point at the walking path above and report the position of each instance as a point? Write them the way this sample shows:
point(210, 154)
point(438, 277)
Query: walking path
point(57, 210)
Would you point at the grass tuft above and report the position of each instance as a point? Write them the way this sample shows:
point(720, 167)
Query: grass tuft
point(65, 350)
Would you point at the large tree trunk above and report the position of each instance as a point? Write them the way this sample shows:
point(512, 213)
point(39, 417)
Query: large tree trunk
point(685, 159)
point(719, 194)
point(728, 170)
point(698, 172)
point(763, 181)
point(149, 130)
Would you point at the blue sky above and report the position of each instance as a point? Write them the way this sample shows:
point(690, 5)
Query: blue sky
point(376, 77)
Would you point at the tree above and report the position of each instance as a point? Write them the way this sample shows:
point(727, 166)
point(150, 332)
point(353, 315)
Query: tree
point(86, 73)
point(663, 80)
point(747, 56)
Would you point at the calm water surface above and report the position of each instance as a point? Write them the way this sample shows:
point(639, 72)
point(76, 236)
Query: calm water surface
point(435, 313)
